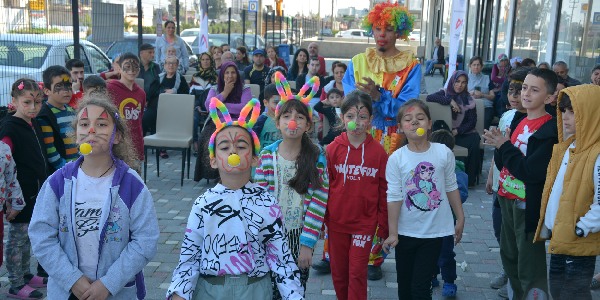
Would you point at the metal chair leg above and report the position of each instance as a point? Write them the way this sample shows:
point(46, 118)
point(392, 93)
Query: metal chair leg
point(145, 163)
point(183, 153)
point(157, 153)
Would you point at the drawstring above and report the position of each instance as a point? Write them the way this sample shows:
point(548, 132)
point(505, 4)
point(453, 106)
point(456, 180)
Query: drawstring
point(346, 165)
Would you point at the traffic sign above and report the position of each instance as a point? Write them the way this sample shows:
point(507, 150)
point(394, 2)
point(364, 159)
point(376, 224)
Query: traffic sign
point(252, 5)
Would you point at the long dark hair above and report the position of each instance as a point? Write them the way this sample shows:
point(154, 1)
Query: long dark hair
point(236, 94)
point(243, 50)
point(306, 163)
point(294, 69)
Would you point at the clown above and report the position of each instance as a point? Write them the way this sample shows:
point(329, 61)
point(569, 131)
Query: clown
point(390, 76)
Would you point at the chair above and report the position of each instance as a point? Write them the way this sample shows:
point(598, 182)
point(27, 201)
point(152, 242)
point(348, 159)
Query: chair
point(173, 130)
point(421, 53)
point(255, 90)
point(140, 82)
point(441, 67)
point(442, 112)
point(292, 85)
point(188, 78)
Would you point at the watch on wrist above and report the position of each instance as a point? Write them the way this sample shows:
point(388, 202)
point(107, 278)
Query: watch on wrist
point(578, 231)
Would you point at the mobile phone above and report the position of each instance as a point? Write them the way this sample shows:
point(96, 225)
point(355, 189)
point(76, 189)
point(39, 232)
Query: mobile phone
point(478, 88)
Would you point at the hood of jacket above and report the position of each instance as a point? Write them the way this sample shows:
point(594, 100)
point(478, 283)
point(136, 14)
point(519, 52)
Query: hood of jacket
point(584, 100)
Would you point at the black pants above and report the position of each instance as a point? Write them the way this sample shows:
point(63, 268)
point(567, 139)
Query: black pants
point(473, 161)
point(149, 121)
point(569, 276)
point(416, 264)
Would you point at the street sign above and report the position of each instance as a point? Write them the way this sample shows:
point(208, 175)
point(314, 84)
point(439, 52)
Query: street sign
point(252, 5)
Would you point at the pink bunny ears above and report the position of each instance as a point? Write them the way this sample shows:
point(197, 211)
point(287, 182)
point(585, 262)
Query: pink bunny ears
point(284, 90)
point(253, 106)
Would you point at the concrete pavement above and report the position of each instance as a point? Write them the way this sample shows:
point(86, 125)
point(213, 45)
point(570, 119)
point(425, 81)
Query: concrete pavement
point(478, 249)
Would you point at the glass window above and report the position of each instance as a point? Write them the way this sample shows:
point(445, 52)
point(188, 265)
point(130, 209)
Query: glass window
point(98, 62)
point(579, 37)
point(71, 54)
point(502, 29)
point(471, 27)
point(23, 54)
point(531, 27)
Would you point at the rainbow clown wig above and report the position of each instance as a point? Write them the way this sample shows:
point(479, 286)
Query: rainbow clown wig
point(285, 92)
point(253, 107)
point(387, 13)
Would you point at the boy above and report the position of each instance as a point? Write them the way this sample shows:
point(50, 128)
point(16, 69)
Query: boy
point(330, 109)
point(130, 99)
point(94, 84)
point(252, 232)
point(570, 211)
point(523, 160)
point(265, 126)
point(516, 112)
point(77, 71)
point(56, 118)
point(446, 262)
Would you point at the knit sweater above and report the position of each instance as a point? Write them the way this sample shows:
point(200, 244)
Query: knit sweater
point(57, 124)
point(315, 200)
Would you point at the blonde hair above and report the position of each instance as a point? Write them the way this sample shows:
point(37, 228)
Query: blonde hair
point(124, 150)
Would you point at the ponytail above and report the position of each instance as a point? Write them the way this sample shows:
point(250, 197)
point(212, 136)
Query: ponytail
point(306, 167)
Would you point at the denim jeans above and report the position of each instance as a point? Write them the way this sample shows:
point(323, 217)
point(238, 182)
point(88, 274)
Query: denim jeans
point(569, 276)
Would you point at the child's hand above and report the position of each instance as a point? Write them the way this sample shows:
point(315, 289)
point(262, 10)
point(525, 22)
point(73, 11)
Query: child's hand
point(176, 297)
point(390, 243)
point(305, 257)
point(11, 214)
point(488, 184)
point(96, 291)
point(458, 231)
point(81, 286)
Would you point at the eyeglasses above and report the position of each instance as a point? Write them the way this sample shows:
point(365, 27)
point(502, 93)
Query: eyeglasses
point(59, 87)
point(427, 168)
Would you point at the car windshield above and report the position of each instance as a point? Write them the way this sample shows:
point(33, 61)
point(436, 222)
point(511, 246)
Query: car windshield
point(274, 35)
point(189, 33)
point(123, 46)
point(23, 54)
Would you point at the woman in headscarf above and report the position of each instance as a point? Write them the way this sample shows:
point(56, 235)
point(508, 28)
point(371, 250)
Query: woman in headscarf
point(231, 91)
point(464, 119)
point(201, 82)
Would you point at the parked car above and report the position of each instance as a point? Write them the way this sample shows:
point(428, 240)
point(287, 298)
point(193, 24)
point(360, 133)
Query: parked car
point(249, 41)
point(326, 32)
point(276, 37)
point(415, 35)
point(220, 39)
point(189, 35)
point(28, 55)
point(353, 34)
point(130, 44)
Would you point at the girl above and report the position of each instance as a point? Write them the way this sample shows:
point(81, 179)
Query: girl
point(22, 133)
point(94, 227)
point(421, 189)
point(357, 202)
point(294, 171)
point(254, 222)
point(217, 52)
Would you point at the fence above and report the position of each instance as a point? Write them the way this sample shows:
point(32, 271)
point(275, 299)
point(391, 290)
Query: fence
point(35, 34)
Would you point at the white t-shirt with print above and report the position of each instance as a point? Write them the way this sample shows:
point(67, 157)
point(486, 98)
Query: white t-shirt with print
point(89, 194)
point(288, 199)
point(421, 181)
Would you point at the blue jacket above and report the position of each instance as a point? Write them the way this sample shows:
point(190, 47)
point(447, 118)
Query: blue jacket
point(125, 248)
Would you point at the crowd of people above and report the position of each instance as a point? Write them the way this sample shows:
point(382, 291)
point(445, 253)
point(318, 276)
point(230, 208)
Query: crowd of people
point(353, 157)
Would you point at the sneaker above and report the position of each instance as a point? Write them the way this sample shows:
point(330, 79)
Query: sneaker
point(322, 267)
point(499, 281)
point(163, 154)
point(435, 282)
point(503, 292)
point(449, 290)
point(374, 273)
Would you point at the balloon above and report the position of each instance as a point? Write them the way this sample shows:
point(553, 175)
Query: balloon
point(233, 160)
point(85, 148)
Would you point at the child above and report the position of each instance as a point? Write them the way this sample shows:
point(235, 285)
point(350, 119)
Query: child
point(570, 211)
point(251, 230)
point(422, 189)
point(265, 126)
point(516, 112)
point(523, 157)
point(11, 195)
point(294, 171)
point(56, 118)
point(94, 227)
point(21, 132)
point(130, 99)
point(357, 200)
point(330, 108)
point(94, 84)
point(446, 262)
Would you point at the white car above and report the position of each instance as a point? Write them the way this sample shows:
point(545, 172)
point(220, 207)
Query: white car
point(276, 37)
point(354, 34)
point(189, 35)
point(28, 55)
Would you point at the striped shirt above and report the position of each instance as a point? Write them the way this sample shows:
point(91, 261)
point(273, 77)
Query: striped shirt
point(64, 119)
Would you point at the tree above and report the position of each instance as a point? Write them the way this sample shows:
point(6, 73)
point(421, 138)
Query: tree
point(216, 8)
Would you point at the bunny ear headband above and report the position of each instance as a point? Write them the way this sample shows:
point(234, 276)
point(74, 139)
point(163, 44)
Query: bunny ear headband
point(284, 90)
point(253, 106)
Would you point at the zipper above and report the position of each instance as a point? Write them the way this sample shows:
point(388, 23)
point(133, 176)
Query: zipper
point(37, 139)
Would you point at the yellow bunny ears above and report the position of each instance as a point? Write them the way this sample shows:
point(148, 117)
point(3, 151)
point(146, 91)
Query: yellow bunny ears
point(253, 107)
point(284, 90)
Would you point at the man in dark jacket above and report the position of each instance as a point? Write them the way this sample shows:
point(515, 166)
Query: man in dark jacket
point(149, 72)
point(437, 57)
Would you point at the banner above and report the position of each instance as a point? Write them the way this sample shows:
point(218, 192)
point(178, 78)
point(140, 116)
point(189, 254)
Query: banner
point(457, 20)
point(203, 33)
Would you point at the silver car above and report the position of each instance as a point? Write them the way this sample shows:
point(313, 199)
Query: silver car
point(28, 55)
